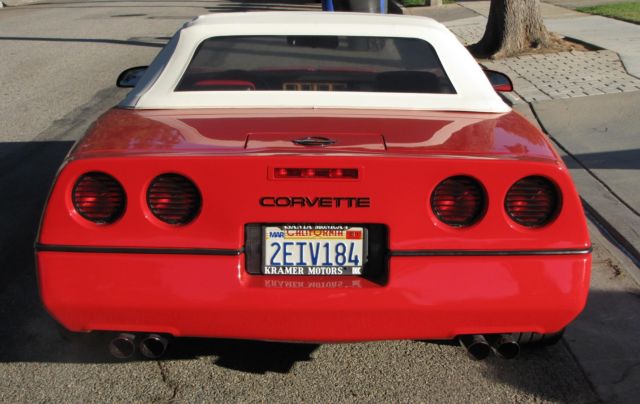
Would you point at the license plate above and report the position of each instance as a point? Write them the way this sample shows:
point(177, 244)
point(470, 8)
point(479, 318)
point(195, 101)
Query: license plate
point(313, 250)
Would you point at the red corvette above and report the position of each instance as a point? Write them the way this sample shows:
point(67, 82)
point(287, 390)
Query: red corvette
point(314, 177)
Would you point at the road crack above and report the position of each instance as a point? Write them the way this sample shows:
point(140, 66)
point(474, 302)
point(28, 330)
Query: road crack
point(627, 372)
point(164, 375)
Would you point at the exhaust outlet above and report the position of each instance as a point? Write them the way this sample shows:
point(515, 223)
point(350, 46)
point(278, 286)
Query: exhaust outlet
point(505, 346)
point(153, 346)
point(476, 345)
point(123, 346)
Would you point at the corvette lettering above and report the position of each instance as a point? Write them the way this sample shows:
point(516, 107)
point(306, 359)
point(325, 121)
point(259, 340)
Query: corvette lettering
point(315, 202)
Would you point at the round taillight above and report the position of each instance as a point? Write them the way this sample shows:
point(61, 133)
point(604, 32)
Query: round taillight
point(99, 197)
point(174, 199)
point(533, 201)
point(458, 201)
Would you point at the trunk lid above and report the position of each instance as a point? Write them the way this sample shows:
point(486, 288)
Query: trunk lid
point(231, 132)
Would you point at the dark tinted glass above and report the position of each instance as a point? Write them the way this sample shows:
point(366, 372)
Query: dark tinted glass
point(316, 63)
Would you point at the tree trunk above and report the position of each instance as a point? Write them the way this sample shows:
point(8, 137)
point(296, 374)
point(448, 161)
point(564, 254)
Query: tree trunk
point(514, 27)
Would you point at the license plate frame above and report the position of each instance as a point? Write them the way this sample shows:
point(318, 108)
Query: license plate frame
point(311, 237)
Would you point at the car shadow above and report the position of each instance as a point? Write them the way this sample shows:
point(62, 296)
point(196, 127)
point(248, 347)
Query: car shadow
point(246, 356)
point(628, 159)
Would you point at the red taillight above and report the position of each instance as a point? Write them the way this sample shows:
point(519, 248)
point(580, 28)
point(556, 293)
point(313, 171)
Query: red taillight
point(533, 201)
point(99, 197)
point(458, 201)
point(174, 199)
point(337, 173)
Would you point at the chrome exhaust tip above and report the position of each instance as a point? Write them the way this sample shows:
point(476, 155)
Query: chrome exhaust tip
point(153, 346)
point(476, 345)
point(123, 346)
point(505, 346)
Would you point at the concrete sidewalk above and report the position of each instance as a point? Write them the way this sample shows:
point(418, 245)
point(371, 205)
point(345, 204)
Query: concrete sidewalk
point(618, 36)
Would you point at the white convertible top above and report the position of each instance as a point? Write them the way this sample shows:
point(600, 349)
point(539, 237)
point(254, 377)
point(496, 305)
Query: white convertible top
point(156, 88)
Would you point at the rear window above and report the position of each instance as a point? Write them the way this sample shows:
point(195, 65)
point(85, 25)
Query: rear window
point(316, 63)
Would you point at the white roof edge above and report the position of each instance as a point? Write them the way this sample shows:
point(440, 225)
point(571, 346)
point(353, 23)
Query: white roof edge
point(284, 17)
point(155, 89)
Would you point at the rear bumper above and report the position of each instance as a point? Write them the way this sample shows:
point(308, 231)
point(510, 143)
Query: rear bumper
point(213, 296)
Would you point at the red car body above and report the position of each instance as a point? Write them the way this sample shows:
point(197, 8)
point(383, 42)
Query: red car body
point(142, 275)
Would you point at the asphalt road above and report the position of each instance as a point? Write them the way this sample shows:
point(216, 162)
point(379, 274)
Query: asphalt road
point(58, 65)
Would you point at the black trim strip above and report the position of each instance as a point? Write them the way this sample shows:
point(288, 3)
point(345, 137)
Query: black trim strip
point(218, 251)
point(486, 253)
point(135, 250)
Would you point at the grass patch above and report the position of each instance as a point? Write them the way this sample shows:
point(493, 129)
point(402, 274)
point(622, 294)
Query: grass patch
point(627, 11)
point(413, 3)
